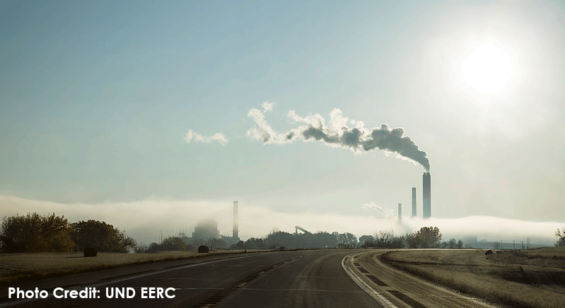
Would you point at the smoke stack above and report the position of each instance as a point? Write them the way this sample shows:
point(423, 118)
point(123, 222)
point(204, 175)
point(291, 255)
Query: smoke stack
point(427, 195)
point(235, 227)
point(399, 212)
point(414, 202)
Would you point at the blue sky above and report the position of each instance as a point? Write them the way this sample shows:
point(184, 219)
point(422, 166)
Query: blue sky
point(96, 98)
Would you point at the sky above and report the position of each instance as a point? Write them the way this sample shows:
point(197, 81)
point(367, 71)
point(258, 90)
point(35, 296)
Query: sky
point(164, 107)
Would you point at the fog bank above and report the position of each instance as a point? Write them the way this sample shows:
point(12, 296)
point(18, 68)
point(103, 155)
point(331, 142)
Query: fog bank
point(143, 220)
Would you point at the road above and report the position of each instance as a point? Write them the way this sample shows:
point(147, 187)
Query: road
point(306, 278)
point(394, 288)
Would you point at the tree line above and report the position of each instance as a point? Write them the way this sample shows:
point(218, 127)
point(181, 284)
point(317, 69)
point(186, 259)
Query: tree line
point(180, 243)
point(426, 237)
point(274, 240)
point(51, 233)
point(320, 239)
point(172, 243)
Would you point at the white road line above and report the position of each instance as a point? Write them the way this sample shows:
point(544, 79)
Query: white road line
point(443, 289)
point(365, 287)
point(164, 271)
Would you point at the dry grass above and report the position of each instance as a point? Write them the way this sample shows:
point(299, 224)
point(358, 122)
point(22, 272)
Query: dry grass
point(532, 278)
point(33, 266)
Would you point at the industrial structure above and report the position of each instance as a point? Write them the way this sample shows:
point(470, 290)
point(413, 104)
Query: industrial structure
point(399, 212)
point(235, 225)
point(208, 229)
point(414, 202)
point(205, 230)
point(234, 239)
point(427, 189)
point(301, 229)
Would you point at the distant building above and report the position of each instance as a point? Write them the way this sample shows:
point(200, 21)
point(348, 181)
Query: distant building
point(208, 229)
point(205, 230)
point(234, 239)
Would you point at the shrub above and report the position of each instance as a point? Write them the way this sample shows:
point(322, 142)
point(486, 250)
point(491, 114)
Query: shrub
point(203, 249)
point(35, 233)
point(102, 236)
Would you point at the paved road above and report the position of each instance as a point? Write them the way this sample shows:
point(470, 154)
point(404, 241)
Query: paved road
point(315, 279)
point(394, 288)
point(308, 278)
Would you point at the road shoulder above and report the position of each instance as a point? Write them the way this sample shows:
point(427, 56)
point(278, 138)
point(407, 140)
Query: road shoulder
point(405, 290)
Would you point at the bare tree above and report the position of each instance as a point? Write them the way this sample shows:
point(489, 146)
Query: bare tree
point(561, 238)
point(428, 237)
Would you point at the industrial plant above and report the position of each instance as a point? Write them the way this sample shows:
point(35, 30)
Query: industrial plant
point(427, 186)
point(427, 199)
point(205, 229)
point(208, 229)
point(235, 234)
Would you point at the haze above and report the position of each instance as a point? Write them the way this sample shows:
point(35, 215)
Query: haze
point(140, 113)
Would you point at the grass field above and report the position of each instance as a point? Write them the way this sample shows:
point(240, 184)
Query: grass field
point(32, 266)
point(529, 278)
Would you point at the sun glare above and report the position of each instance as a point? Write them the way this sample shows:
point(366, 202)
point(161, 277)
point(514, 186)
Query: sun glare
point(487, 69)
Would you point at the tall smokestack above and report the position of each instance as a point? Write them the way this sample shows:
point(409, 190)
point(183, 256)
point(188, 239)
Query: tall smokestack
point(427, 195)
point(414, 202)
point(399, 212)
point(235, 227)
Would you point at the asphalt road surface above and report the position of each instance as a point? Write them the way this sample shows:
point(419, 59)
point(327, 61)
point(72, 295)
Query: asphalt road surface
point(306, 278)
point(394, 288)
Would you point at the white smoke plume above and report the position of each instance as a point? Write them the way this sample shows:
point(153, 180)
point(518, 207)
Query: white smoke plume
point(337, 133)
point(219, 137)
point(373, 205)
point(263, 131)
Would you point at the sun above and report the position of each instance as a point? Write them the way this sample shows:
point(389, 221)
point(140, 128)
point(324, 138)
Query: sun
point(487, 69)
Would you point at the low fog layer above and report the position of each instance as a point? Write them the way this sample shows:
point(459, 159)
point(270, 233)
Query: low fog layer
point(144, 219)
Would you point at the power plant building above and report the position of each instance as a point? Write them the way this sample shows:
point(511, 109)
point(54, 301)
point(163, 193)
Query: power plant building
point(427, 189)
point(208, 228)
point(205, 230)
